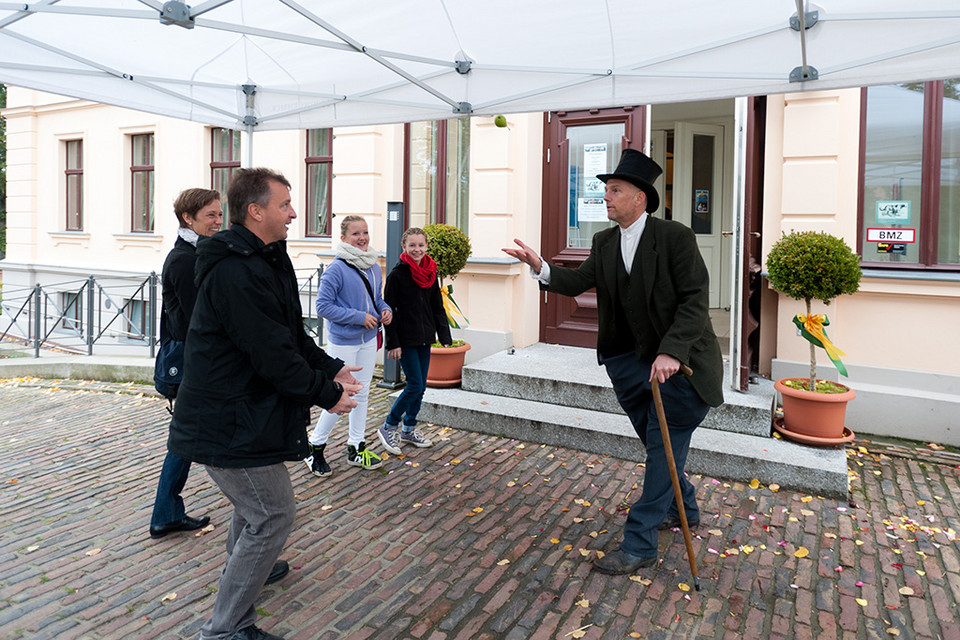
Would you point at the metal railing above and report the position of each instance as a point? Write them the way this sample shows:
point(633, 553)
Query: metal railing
point(73, 316)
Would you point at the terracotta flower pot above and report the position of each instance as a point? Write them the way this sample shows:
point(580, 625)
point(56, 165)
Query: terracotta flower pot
point(814, 418)
point(446, 366)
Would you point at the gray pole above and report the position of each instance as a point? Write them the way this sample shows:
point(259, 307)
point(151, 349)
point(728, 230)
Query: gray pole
point(91, 283)
point(391, 368)
point(36, 320)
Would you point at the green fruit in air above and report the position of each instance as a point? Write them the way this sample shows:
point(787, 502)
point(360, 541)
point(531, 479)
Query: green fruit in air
point(500, 121)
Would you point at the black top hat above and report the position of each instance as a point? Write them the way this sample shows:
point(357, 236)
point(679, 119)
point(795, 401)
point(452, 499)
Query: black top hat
point(639, 170)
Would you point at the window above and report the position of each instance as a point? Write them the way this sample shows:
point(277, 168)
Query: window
point(910, 213)
point(141, 170)
point(438, 196)
point(319, 181)
point(136, 319)
point(224, 161)
point(72, 311)
point(74, 184)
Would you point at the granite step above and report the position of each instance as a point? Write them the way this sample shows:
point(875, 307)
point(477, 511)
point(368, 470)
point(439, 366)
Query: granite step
point(570, 376)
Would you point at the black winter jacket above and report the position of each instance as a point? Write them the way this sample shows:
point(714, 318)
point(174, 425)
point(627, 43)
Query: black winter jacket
point(418, 316)
point(179, 290)
point(250, 371)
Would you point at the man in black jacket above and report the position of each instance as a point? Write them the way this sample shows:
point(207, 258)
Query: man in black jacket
point(652, 287)
point(251, 375)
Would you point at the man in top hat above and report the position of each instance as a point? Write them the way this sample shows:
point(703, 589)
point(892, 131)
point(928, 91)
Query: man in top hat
point(652, 287)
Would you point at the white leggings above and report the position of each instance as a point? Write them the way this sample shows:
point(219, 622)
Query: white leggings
point(354, 355)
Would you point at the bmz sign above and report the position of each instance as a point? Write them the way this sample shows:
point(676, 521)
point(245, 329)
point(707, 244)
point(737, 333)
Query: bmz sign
point(891, 235)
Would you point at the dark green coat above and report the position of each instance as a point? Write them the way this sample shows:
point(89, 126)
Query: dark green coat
point(675, 285)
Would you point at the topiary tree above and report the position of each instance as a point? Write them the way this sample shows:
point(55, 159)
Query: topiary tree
point(449, 247)
point(810, 265)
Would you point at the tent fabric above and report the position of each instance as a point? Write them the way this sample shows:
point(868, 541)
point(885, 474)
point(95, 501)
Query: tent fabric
point(321, 63)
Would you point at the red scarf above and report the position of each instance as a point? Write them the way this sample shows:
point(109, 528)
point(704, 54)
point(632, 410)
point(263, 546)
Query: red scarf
point(425, 273)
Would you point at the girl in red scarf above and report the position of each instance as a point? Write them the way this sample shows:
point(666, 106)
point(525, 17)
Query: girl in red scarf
point(413, 293)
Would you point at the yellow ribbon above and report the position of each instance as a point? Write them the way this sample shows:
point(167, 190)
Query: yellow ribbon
point(454, 316)
point(814, 326)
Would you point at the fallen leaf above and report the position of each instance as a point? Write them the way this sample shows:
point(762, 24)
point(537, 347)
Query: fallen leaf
point(600, 554)
point(577, 520)
point(862, 602)
point(32, 547)
point(93, 552)
point(754, 483)
point(806, 499)
point(893, 632)
point(774, 487)
point(802, 552)
point(555, 540)
point(169, 597)
point(584, 603)
point(207, 529)
point(715, 532)
point(906, 591)
point(641, 580)
point(478, 510)
point(585, 553)
point(568, 547)
point(326, 507)
point(503, 562)
point(683, 586)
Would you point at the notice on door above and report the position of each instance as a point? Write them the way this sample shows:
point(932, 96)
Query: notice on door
point(594, 163)
point(891, 235)
point(591, 210)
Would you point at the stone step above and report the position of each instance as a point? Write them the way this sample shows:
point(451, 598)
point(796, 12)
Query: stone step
point(570, 376)
point(822, 471)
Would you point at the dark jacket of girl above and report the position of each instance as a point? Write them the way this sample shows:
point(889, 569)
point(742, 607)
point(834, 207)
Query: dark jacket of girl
point(418, 316)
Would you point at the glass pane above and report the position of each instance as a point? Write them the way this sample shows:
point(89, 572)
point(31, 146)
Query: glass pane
point(949, 240)
point(143, 150)
point(74, 183)
point(423, 173)
point(458, 173)
point(143, 201)
point(318, 206)
point(74, 156)
point(594, 149)
point(891, 195)
point(226, 145)
point(701, 218)
point(318, 142)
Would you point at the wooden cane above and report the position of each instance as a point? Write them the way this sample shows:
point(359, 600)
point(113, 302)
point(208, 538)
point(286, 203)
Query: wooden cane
point(678, 495)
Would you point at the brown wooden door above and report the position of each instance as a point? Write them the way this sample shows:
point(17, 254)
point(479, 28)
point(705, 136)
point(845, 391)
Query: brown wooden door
point(579, 145)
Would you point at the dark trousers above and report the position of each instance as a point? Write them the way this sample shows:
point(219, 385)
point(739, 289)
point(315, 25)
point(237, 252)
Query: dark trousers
point(414, 361)
point(168, 505)
point(684, 411)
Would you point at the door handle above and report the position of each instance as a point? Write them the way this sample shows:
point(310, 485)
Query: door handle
point(727, 234)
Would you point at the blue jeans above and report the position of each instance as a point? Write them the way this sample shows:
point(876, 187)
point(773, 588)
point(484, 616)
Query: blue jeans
point(263, 513)
point(684, 411)
point(414, 361)
point(168, 505)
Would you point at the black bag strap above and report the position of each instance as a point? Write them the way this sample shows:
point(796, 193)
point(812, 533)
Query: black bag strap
point(366, 282)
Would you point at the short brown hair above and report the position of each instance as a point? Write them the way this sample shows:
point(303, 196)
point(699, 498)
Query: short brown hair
point(251, 186)
point(192, 200)
point(413, 231)
point(345, 223)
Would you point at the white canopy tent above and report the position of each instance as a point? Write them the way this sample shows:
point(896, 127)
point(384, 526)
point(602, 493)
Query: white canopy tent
point(282, 64)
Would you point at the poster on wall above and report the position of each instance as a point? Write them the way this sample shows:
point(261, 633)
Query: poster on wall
point(594, 163)
point(592, 210)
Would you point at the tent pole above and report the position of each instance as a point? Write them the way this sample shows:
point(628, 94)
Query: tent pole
point(250, 120)
point(737, 256)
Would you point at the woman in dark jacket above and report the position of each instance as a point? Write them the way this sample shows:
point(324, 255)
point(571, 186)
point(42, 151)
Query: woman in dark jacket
point(413, 293)
point(199, 214)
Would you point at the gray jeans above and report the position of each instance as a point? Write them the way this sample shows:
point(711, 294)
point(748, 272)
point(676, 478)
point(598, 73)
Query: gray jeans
point(263, 513)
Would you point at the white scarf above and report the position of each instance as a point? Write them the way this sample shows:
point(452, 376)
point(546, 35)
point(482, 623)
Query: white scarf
point(362, 260)
point(188, 234)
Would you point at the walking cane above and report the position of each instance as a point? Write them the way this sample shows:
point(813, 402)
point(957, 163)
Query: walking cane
point(668, 449)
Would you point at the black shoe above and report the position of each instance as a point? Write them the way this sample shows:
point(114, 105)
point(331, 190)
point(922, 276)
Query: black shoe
point(253, 633)
point(673, 522)
point(185, 524)
point(280, 569)
point(620, 562)
point(316, 463)
point(360, 456)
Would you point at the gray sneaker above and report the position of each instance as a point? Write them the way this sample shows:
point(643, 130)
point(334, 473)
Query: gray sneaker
point(415, 438)
point(390, 439)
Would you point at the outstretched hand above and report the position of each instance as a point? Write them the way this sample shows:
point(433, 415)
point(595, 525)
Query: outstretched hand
point(345, 377)
point(526, 255)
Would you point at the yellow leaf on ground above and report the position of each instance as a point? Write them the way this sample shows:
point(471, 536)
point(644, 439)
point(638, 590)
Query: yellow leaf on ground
point(747, 549)
point(207, 529)
point(503, 562)
point(893, 632)
point(806, 499)
point(906, 591)
point(568, 547)
point(774, 487)
point(93, 552)
point(920, 503)
point(326, 507)
point(555, 540)
point(802, 552)
point(635, 635)
point(600, 554)
point(806, 512)
point(641, 580)
point(577, 520)
point(478, 509)
point(593, 534)
point(32, 547)
point(683, 586)
point(754, 483)
point(862, 602)
point(169, 597)
point(455, 461)
point(585, 553)
point(862, 450)
point(583, 603)
point(715, 532)
point(858, 542)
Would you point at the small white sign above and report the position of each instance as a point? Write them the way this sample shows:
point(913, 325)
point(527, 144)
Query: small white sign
point(591, 210)
point(893, 211)
point(594, 163)
point(891, 235)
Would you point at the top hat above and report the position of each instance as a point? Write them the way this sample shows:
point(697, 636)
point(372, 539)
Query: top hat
point(638, 169)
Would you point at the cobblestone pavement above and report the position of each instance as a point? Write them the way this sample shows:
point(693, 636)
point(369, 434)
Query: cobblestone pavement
point(477, 537)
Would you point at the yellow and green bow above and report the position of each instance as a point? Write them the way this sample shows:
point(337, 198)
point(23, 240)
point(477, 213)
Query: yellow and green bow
point(812, 328)
point(454, 316)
